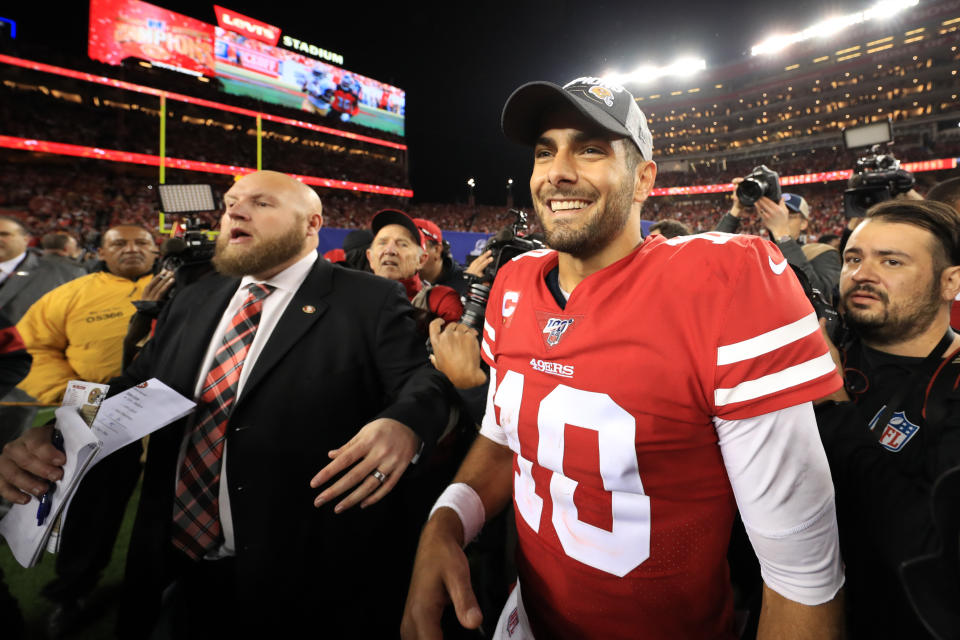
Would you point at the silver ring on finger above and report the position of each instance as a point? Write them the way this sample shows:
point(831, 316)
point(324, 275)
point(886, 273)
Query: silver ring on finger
point(379, 475)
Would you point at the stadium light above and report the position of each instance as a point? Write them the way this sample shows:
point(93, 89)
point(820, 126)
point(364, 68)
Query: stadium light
point(681, 67)
point(471, 183)
point(832, 26)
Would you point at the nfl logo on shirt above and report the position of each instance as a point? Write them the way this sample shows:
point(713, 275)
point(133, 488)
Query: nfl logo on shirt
point(897, 432)
point(555, 329)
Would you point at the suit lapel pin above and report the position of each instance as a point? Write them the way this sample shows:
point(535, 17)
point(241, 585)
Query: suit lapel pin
point(309, 308)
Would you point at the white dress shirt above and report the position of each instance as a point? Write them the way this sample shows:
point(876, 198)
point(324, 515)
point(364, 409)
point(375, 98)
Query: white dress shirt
point(286, 284)
point(8, 267)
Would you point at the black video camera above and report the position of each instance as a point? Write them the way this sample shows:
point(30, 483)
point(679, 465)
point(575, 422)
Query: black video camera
point(189, 257)
point(876, 178)
point(505, 245)
point(762, 181)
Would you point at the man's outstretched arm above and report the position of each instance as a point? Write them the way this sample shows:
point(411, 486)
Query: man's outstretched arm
point(441, 574)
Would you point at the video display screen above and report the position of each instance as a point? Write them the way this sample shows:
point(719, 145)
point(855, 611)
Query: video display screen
point(129, 28)
point(273, 74)
point(245, 66)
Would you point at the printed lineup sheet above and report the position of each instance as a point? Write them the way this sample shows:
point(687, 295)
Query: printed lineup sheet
point(121, 420)
point(138, 411)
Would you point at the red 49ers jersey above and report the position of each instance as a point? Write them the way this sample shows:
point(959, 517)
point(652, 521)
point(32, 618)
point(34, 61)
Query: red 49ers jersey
point(622, 501)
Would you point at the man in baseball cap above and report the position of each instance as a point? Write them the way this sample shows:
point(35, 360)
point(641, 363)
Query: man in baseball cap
point(440, 267)
point(397, 252)
point(633, 409)
point(787, 222)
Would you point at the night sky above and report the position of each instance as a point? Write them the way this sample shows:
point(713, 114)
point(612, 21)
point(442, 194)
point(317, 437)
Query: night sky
point(459, 64)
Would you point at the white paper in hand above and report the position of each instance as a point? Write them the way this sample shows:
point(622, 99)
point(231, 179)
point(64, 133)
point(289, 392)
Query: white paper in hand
point(19, 527)
point(138, 411)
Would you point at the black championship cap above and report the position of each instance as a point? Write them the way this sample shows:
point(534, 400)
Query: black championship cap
point(395, 216)
point(607, 104)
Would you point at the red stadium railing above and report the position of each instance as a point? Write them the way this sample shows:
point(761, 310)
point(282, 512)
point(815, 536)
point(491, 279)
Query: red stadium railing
point(807, 178)
point(179, 97)
point(60, 148)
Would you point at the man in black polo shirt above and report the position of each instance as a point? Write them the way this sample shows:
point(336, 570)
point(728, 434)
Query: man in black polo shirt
point(893, 429)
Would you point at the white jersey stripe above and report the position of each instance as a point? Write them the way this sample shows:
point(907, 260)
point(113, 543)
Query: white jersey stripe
point(765, 385)
point(486, 349)
point(489, 331)
point(767, 342)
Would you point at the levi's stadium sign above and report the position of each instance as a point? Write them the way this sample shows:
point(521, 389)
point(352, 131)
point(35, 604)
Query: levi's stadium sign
point(247, 26)
point(253, 28)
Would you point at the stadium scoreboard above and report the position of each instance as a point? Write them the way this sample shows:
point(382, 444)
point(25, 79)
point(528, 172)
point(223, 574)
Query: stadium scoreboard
point(244, 54)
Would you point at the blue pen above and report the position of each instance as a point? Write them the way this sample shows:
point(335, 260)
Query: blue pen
point(47, 498)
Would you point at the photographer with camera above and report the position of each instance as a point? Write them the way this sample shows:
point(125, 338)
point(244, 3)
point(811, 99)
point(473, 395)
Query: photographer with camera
point(785, 217)
point(893, 429)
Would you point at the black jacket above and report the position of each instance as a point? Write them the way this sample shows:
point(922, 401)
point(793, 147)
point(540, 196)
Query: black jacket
point(344, 352)
point(883, 487)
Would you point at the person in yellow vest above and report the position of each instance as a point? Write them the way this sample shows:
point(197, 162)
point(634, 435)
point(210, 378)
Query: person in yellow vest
point(75, 332)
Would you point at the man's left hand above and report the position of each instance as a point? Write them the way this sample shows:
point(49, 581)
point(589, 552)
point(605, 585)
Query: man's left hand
point(775, 216)
point(384, 446)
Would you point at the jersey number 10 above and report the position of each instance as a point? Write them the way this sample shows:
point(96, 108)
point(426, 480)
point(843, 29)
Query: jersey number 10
point(627, 544)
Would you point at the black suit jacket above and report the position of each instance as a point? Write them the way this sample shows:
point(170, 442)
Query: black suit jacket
point(34, 277)
point(344, 352)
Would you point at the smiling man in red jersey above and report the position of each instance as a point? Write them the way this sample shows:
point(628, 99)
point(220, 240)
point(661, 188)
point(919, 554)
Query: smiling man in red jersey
point(640, 393)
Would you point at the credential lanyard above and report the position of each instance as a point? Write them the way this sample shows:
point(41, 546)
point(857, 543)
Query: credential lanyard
point(923, 371)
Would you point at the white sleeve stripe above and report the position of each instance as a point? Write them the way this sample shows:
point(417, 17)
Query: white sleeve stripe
point(765, 385)
point(489, 331)
point(486, 349)
point(767, 342)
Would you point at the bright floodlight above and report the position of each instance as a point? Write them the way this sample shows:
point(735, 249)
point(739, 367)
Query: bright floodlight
point(681, 67)
point(471, 183)
point(831, 26)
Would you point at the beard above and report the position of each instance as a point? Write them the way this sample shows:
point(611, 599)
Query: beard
point(594, 234)
point(894, 323)
point(237, 261)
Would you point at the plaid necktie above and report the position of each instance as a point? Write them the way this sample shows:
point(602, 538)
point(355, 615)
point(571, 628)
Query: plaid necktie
point(196, 509)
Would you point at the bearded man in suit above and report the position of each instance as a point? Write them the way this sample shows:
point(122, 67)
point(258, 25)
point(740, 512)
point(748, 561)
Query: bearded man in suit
point(291, 360)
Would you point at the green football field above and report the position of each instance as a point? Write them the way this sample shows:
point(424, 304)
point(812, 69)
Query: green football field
point(245, 83)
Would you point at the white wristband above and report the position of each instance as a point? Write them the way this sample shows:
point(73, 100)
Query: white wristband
point(467, 504)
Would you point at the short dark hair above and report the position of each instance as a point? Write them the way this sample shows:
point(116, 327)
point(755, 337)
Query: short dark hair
point(827, 238)
point(670, 228)
point(130, 225)
point(57, 240)
point(940, 219)
point(947, 192)
point(634, 157)
point(16, 221)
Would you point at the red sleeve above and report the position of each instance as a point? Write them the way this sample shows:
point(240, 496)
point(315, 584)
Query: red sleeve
point(445, 302)
point(770, 353)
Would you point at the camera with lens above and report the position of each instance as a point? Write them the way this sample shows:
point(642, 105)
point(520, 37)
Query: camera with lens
point(505, 246)
point(762, 181)
point(189, 257)
point(877, 177)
